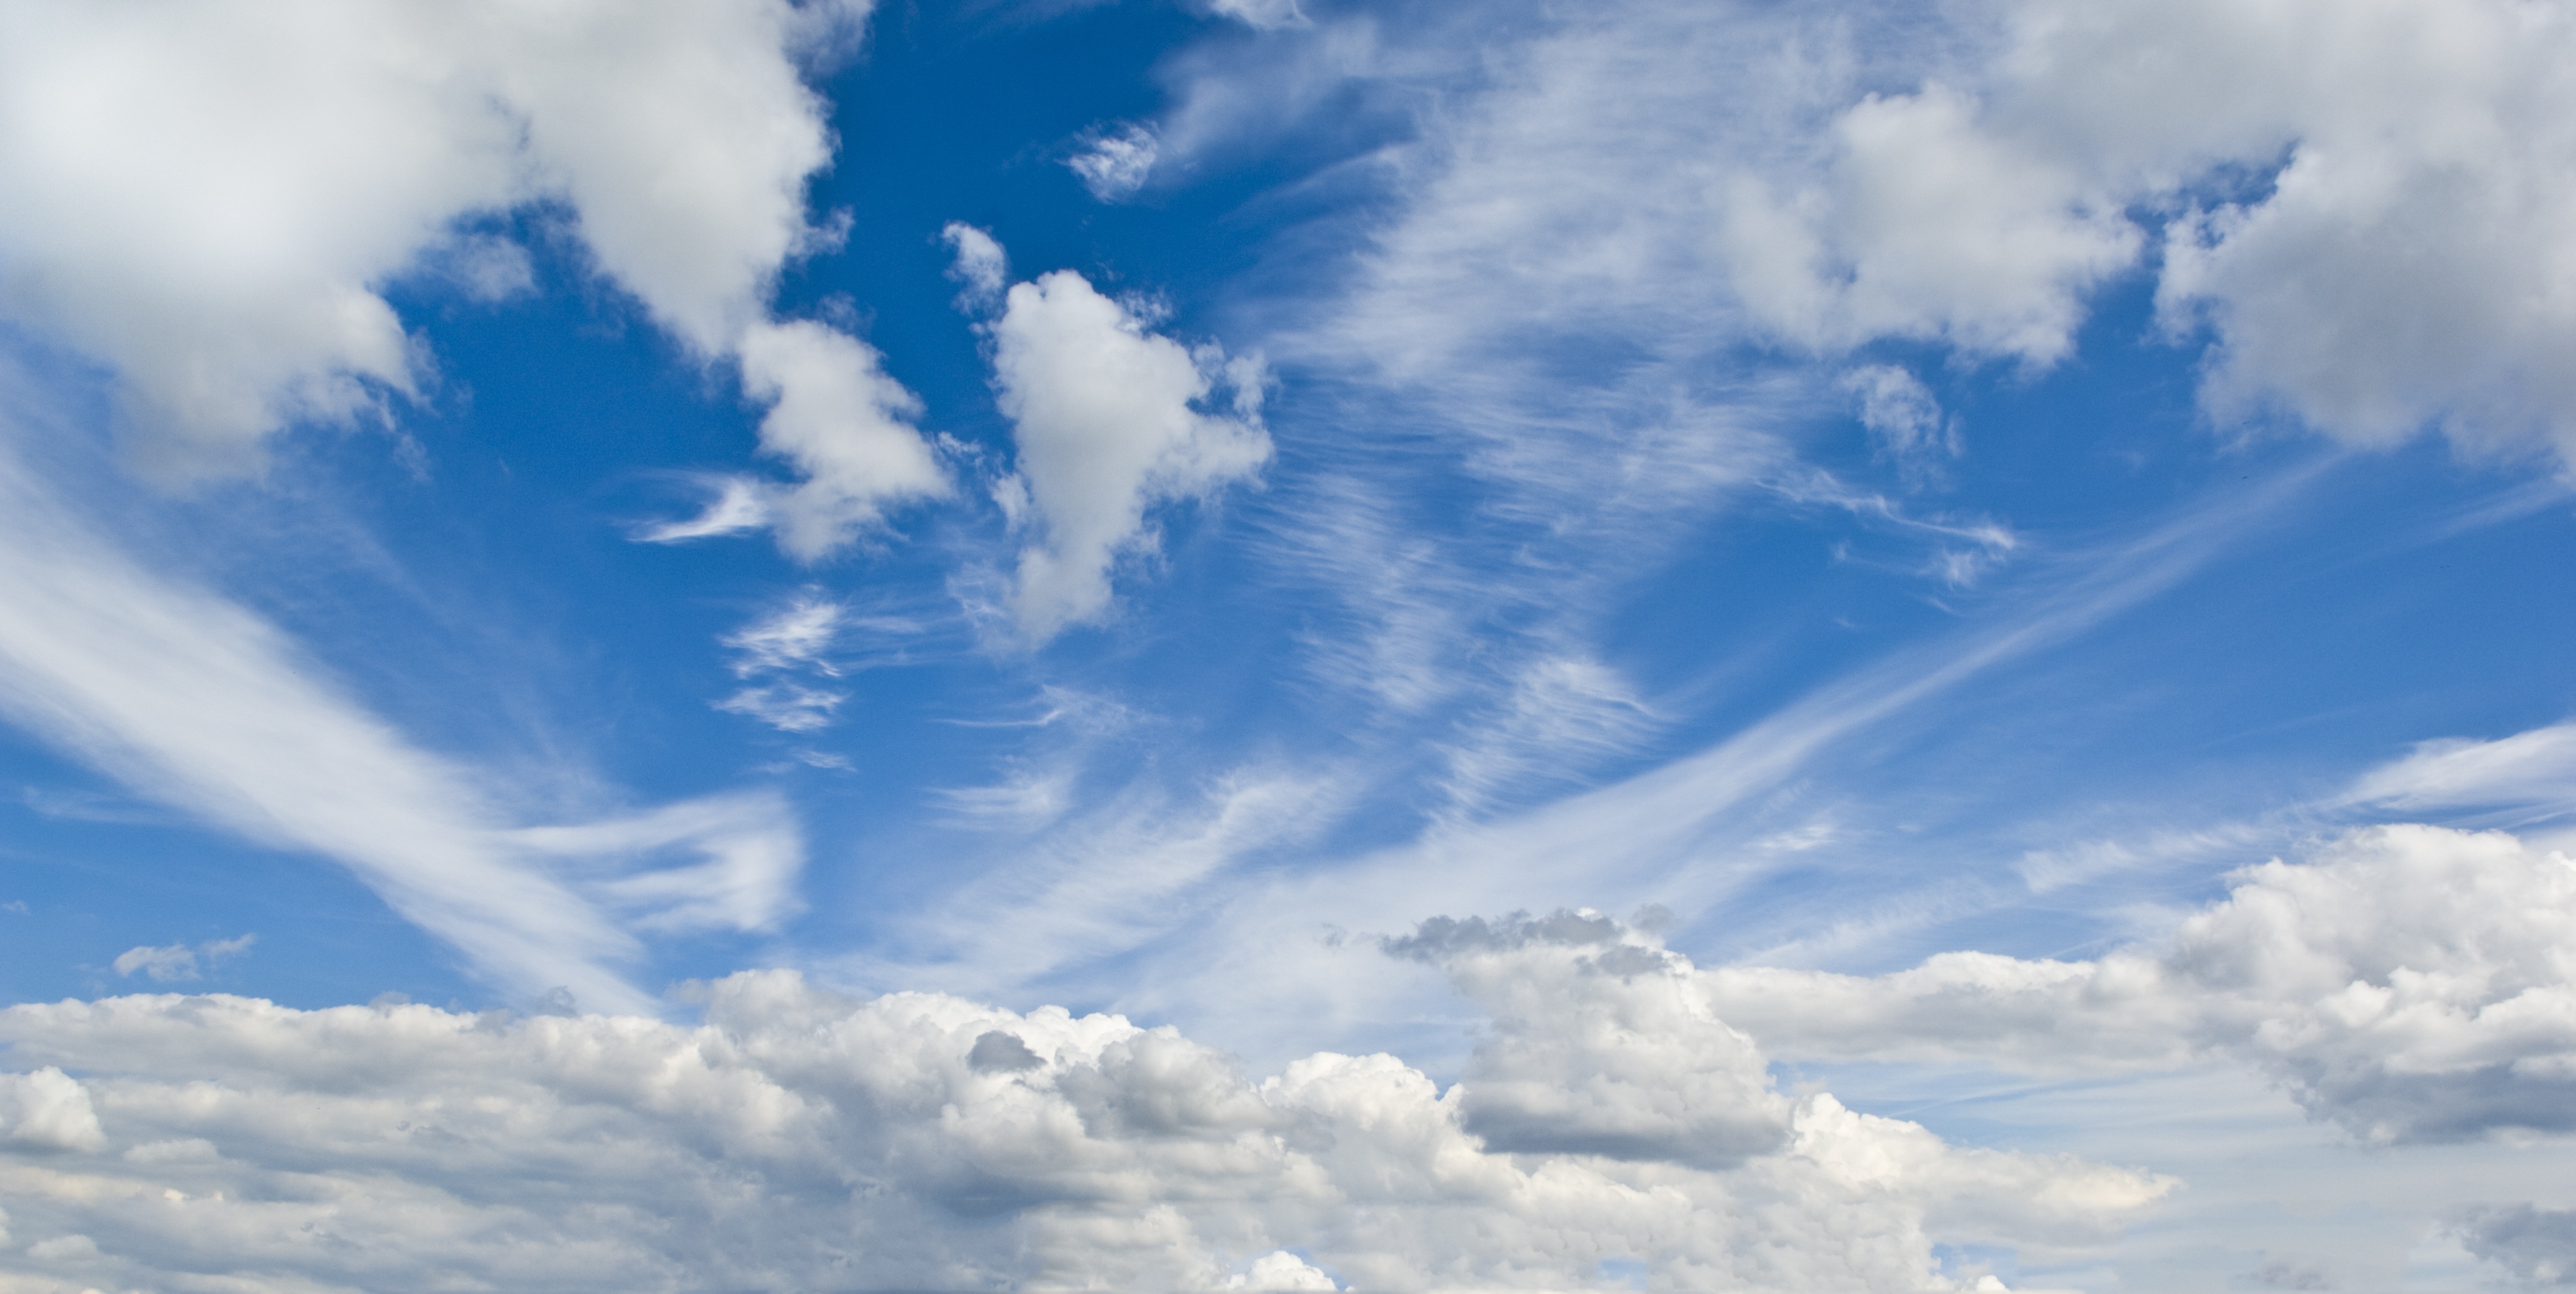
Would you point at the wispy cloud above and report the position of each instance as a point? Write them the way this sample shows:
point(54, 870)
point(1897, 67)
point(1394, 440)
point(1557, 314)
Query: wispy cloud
point(191, 701)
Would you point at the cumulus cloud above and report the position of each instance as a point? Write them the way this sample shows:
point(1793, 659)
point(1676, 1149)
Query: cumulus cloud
point(210, 199)
point(48, 1110)
point(800, 1139)
point(1108, 418)
point(2410, 983)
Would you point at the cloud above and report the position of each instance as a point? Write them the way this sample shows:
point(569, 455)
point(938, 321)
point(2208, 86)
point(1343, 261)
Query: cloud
point(1563, 713)
point(794, 640)
point(1902, 415)
point(179, 961)
point(797, 637)
point(2408, 982)
point(1600, 1046)
point(48, 1110)
point(2536, 1245)
point(981, 265)
point(193, 702)
point(788, 707)
point(1107, 419)
point(2351, 208)
point(2535, 768)
point(211, 199)
point(1260, 15)
point(403, 1146)
point(1113, 165)
point(749, 853)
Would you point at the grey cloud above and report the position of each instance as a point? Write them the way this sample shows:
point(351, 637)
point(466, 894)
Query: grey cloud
point(2538, 1246)
point(1600, 1044)
point(997, 1050)
point(1441, 939)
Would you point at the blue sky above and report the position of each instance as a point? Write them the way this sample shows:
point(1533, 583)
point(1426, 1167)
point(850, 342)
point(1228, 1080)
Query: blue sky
point(1137, 508)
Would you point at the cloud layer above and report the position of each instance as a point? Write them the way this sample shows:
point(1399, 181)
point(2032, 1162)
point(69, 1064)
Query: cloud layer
point(800, 1139)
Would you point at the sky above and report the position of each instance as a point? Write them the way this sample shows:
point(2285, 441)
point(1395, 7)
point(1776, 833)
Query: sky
point(1192, 645)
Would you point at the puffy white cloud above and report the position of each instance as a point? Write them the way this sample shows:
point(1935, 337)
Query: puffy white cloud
point(2408, 982)
point(801, 1139)
point(1921, 225)
point(48, 1110)
point(1115, 164)
point(1108, 419)
point(981, 264)
point(841, 422)
point(210, 198)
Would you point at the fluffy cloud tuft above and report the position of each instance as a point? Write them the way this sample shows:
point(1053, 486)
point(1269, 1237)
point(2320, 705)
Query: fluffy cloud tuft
point(801, 1139)
point(1115, 164)
point(47, 1110)
point(1109, 418)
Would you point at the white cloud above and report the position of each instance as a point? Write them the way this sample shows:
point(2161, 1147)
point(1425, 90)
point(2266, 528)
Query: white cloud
point(788, 707)
point(1280, 1270)
point(2408, 982)
point(2358, 203)
point(179, 961)
point(843, 424)
point(921, 1141)
point(749, 848)
point(798, 636)
point(1563, 713)
point(1108, 421)
point(2535, 768)
point(48, 1110)
point(195, 703)
point(1113, 165)
point(210, 197)
point(981, 264)
point(1260, 15)
point(798, 639)
point(1902, 415)
point(1098, 882)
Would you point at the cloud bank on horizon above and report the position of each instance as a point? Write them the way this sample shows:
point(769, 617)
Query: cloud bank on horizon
point(805, 570)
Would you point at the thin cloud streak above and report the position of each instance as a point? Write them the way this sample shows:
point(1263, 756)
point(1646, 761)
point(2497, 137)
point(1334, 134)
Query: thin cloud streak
point(193, 702)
